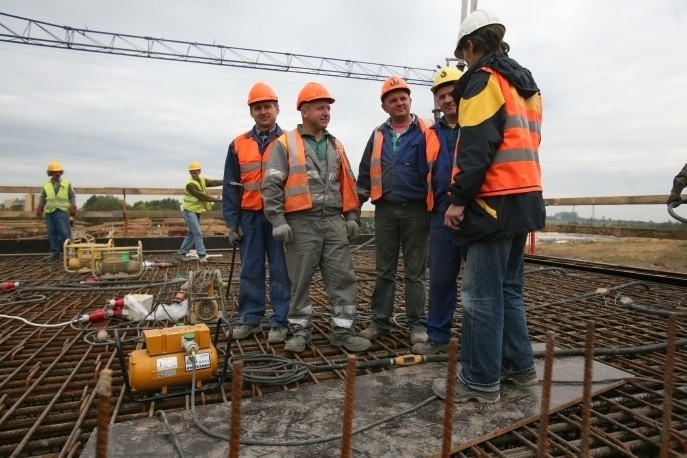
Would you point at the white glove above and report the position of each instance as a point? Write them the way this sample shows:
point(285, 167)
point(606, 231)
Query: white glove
point(283, 233)
point(352, 229)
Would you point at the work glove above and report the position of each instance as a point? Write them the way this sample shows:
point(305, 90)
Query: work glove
point(39, 212)
point(72, 210)
point(235, 236)
point(352, 229)
point(675, 199)
point(283, 233)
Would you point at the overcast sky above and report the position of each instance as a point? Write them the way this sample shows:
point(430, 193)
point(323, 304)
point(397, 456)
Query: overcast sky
point(613, 76)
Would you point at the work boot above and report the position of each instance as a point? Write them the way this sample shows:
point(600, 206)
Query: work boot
point(51, 257)
point(372, 333)
point(418, 335)
point(429, 348)
point(521, 380)
point(202, 259)
point(181, 257)
point(464, 393)
point(243, 331)
point(350, 342)
point(276, 335)
point(296, 344)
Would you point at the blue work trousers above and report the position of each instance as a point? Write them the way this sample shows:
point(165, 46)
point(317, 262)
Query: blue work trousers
point(59, 230)
point(494, 332)
point(256, 246)
point(400, 227)
point(444, 264)
point(194, 237)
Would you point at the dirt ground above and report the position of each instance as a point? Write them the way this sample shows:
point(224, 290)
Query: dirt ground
point(670, 255)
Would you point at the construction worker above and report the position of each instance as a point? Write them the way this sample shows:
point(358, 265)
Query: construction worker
point(496, 200)
point(309, 197)
point(58, 204)
point(393, 175)
point(242, 208)
point(679, 183)
point(444, 256)
point(196, 201)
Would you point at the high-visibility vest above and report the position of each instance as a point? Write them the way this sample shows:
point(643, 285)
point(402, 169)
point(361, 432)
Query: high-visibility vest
point(250, 166)
point(515, 169)
point(431, 152)
point(297, 195)
point(191, 202)
point(59, 201)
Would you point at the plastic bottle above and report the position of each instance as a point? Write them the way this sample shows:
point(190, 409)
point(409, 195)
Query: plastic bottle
point(8, 285)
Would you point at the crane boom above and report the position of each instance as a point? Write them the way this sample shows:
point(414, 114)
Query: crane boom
point(39, 33)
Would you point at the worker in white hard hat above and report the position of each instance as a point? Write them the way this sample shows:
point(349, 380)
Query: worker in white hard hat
point(196, 201)
point(57, 202)
point(393, 175)
point(444, 257)
point(495, 201)
point(248, 227)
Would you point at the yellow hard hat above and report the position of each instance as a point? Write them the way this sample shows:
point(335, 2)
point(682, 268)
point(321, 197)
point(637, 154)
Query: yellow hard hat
point(55, 167)
point(394, 83)
point(444, 76)
point(194, 166)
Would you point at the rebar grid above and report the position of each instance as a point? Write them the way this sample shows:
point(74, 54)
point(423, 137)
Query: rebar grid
point(48, 376)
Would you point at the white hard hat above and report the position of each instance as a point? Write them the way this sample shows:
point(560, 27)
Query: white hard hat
point(476, 20)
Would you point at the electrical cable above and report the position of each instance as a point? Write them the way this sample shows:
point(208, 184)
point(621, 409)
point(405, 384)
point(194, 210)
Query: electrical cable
point(56, 325)
point(162, 416)
point(273, 443)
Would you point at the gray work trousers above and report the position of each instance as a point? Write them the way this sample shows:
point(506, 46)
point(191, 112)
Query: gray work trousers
point(320, 243)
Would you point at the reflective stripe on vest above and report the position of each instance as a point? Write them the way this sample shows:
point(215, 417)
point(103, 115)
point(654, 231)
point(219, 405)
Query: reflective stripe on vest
point(297, 195)
point(59, 201)
point(191, 202)
point(431, 153)
point(250, 166)
point(515, 169)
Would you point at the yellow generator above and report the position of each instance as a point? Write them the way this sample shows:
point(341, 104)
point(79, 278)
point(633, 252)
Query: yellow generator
point(103, 259)
point(167, 359)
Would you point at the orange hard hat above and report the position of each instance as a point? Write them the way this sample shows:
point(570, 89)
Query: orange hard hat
point(394, 83)
point(313, 91)
point(261, 92)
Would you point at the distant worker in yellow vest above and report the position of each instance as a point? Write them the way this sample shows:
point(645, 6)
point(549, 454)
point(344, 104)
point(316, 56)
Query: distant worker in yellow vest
point(308, 193)
point(242, 208)
point(196, 201)
point(679, 183)
point(57, 203)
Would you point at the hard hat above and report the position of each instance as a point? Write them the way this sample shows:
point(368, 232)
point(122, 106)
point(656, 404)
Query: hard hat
point(261, 92)
point(476, 20)
point(444, 76)
point(394, 83)
point(313, 91)
point(194, 166)
point(55, 167)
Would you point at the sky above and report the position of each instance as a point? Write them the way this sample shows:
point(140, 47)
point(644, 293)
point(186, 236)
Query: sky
point(613, 78)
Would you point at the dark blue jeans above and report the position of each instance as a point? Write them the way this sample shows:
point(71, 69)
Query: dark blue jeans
point(494, 333)
point(59, 230)
point(444, 264)
point(258, 244)
point(400, 227)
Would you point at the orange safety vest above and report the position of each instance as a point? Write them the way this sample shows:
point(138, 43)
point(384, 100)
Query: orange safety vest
point(296, 189)
point(431, 153)
point(250, 167)
point(515, 169)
